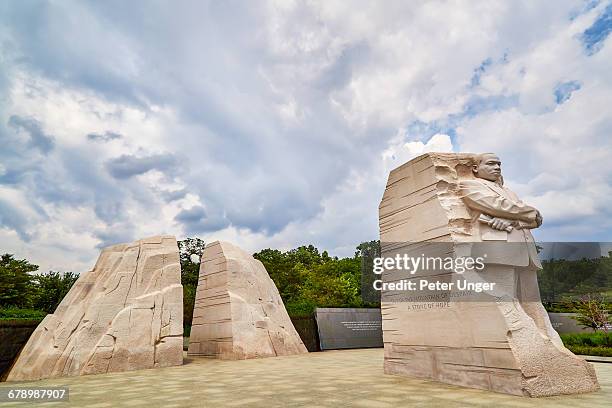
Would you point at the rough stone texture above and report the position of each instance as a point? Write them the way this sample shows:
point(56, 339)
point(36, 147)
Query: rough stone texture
point(125, 314)
point(238, 311)
point(507, 346)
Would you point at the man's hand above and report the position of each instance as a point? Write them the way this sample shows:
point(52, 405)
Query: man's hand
point(499, 224)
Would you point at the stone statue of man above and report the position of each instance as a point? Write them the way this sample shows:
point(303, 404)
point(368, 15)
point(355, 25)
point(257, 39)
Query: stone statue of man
point(486, 194)
point(455, 205)
point(503, 221)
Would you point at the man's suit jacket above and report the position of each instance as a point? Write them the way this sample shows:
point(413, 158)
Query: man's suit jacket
point(487, 197)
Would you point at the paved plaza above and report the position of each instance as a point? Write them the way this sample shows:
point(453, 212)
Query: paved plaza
point(326, 379)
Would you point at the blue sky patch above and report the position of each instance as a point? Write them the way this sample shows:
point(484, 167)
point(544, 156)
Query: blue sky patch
point(479, 71)
point(594, 36)
point(564, 91)
point(586, 7)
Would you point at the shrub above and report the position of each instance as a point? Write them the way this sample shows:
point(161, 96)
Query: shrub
point(591, 351)
point(560, 307)
point(593, 312)
point(300, 308)
point(597, 339)
point(13, 312)
point(591, 344)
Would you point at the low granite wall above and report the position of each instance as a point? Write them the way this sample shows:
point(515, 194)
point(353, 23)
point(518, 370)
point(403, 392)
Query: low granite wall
point(307, 329)
point(13, 336)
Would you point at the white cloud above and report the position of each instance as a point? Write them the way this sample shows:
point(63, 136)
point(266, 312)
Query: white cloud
point(556, 155)
point(399, 152)
point(276, 126)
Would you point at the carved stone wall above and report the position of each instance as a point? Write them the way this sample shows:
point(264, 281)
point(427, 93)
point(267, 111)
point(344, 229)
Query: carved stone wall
point(238, 311)
point(125, 314)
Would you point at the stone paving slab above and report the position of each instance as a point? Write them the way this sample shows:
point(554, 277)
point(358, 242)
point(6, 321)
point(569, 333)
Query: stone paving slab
point(326, 379)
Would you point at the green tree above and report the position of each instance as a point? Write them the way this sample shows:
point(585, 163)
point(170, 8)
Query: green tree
point(285, 268)
point(367, 251)
point(51, 288)
point(307, 278)
point(16, 286)
point(190, 253)
point(562, 282)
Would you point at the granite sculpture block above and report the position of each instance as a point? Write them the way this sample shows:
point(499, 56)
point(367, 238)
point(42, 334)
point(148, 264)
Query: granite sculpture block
point(238, 311)
point(125, 314)
point(444, 204)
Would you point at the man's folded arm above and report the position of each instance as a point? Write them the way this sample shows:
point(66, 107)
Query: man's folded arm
point(479, 197)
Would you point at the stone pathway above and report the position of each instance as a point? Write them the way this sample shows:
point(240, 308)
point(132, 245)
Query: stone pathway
point(598, 359)
point(327, 379)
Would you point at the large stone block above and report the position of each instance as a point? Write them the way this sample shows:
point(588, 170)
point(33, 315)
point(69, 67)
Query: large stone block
point(238, 311)
point(453, 205)
point(125, 314)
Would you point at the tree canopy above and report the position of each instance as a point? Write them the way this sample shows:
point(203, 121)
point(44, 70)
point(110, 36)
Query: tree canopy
point(16, 288)
point(190, 252)
point(307, 278)
point(21, 288)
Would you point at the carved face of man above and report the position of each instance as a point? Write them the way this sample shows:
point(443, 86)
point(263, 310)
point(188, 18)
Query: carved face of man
point(489, 167)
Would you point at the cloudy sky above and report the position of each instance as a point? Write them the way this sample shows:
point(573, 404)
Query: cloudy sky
point(274, 123)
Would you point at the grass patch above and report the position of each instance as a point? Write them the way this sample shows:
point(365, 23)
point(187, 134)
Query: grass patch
point(591, 351)
point(12, 313)
point(590, 344)
point(595, 339)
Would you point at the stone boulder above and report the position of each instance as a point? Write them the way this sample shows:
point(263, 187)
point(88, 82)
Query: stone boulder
point(125, 314)
point(238, 311)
